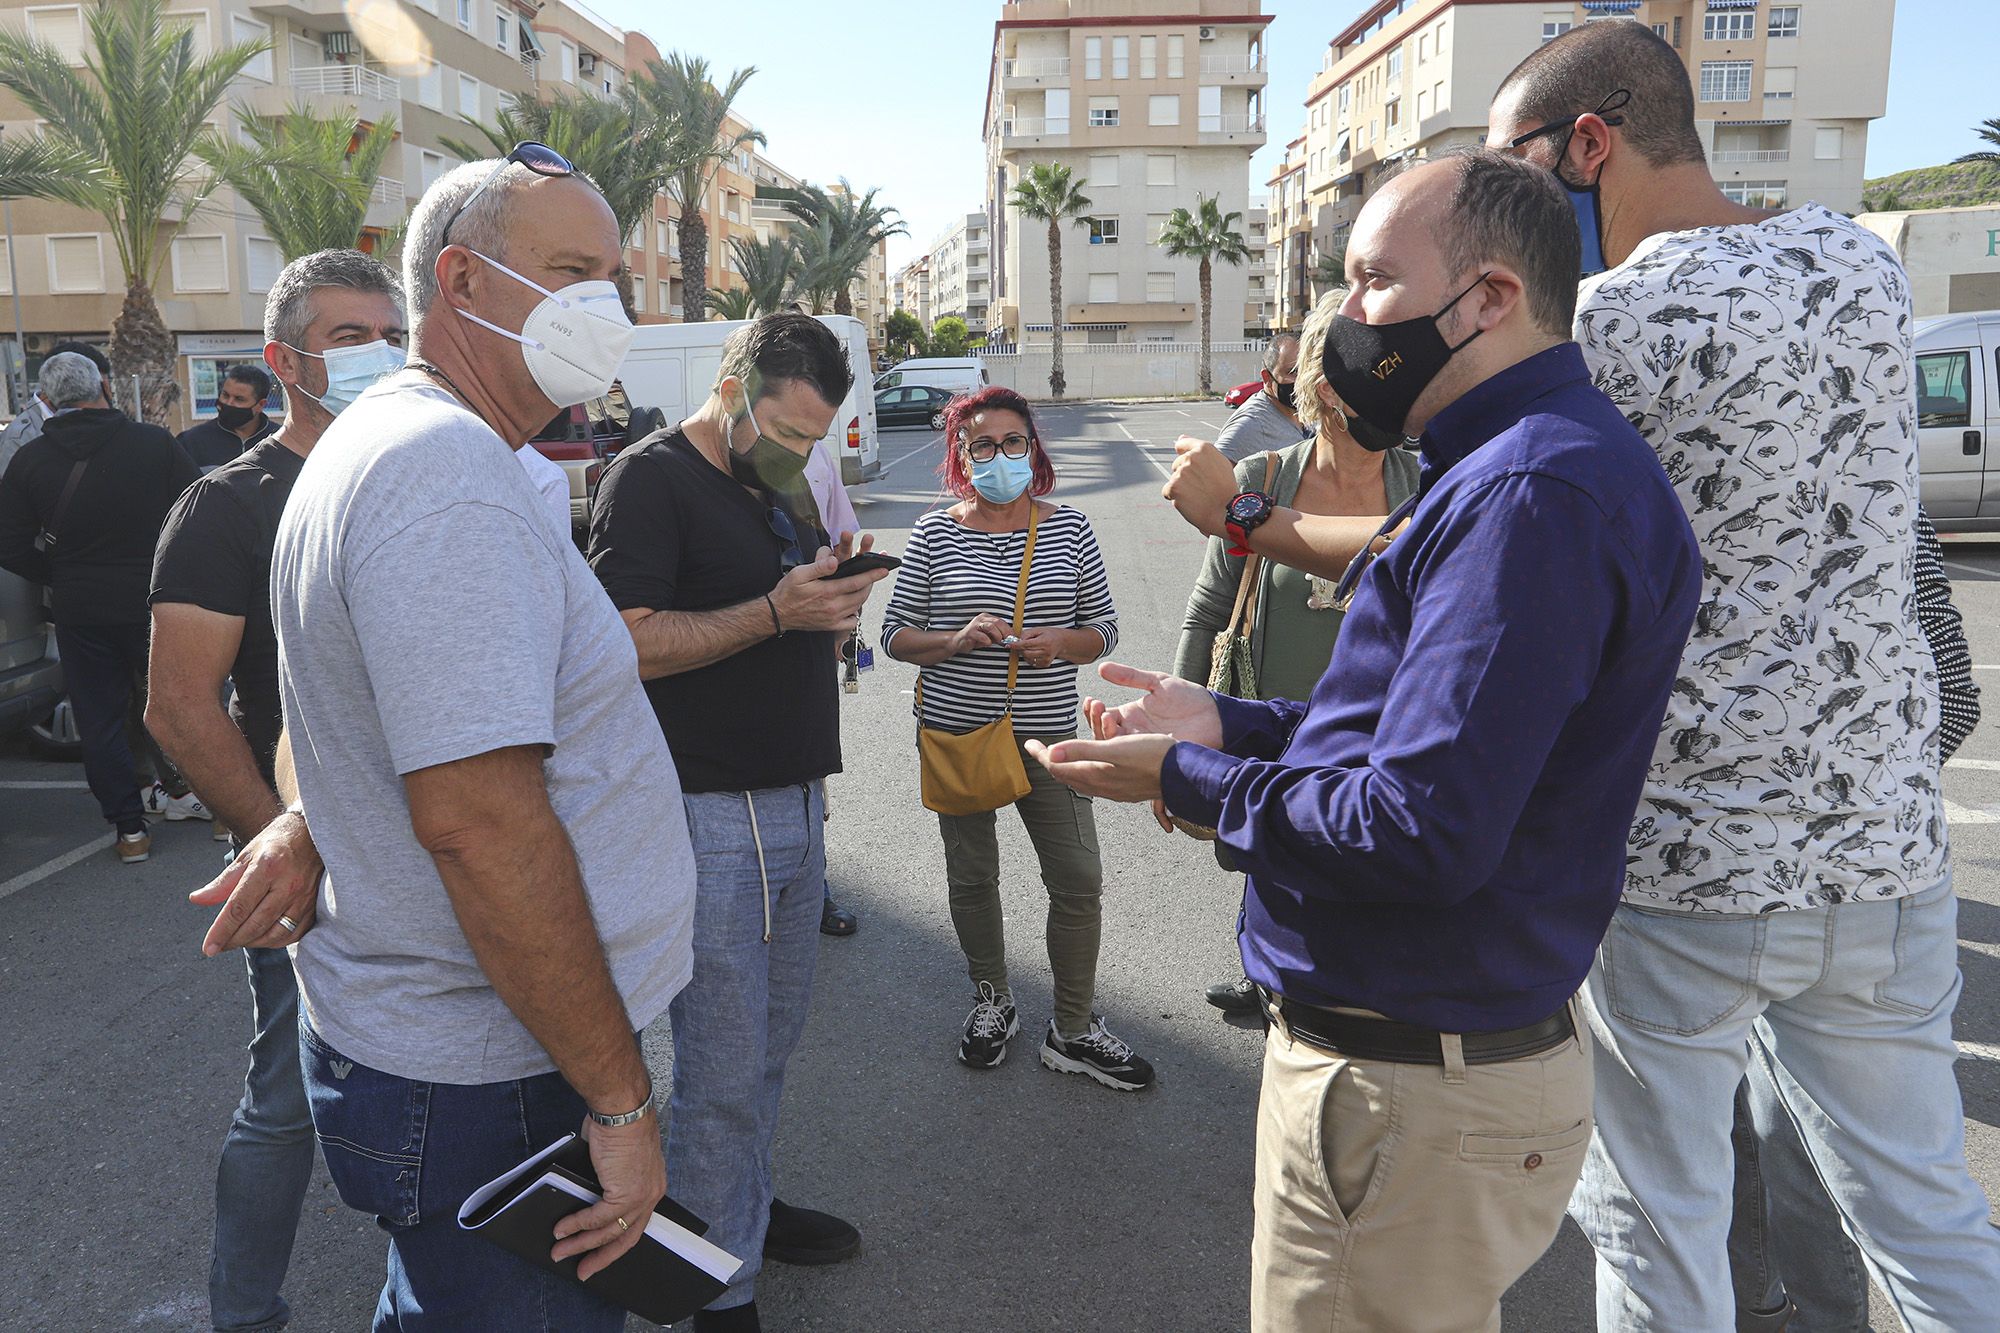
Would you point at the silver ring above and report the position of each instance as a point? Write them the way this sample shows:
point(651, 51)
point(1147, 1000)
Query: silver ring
point(291, 926)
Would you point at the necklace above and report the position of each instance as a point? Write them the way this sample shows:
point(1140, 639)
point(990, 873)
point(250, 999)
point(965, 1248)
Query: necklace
point(428, 369)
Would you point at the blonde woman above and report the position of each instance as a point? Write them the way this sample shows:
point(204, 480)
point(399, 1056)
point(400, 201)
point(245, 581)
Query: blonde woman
point(1346, 469)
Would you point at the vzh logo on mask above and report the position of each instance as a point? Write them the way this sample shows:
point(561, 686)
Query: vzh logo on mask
point(1388, 365)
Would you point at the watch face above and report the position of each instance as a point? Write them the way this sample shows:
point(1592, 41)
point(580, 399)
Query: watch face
point(1247, 507)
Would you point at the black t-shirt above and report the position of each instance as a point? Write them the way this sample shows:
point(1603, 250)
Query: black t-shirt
point(669, 531)
point(215, 553)
point(211, 444)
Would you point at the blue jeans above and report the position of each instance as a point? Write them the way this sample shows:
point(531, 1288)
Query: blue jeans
point(410, 1152)
point(1851, 1008)
point(737, 1021)
point(267, 1160)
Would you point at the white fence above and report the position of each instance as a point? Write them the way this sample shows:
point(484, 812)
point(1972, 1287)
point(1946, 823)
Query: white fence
point(345, 81)
point(1124, 370)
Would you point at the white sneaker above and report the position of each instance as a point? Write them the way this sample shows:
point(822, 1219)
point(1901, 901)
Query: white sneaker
point(175, 808)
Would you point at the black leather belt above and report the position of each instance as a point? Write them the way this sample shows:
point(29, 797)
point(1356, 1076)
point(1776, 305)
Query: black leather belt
point(1384, 1039)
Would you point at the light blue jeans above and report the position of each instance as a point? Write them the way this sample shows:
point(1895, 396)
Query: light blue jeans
point(739, 1017)
point(267, 1160)
point(1851, 1006)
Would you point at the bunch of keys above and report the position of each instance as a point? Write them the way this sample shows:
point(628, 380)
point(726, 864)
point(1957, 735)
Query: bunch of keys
point(856, 657)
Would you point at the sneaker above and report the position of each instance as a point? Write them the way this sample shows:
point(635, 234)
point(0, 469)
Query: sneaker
point(134, 847)
point(175, 808)
point(1234, 997)
point(1098, 1054)
point(803, 1236)
point(988, 1028)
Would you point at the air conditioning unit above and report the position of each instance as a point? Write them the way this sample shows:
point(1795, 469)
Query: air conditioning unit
point(338, 44)
point(1205, 34)
point(586, 63)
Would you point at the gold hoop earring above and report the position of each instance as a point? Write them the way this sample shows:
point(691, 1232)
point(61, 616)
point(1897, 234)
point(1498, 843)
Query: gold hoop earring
point(1341, 417)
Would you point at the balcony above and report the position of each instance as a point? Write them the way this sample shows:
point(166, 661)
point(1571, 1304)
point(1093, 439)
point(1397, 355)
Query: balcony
point(1031, 72)
point(301, 11)
point(364, 93)
point(977, 245)
point(1751, 155)
point(1245, 71)
point(1236, 129)
point(1023, 132)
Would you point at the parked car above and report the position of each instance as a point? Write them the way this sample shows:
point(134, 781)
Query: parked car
point(1240, 395)
point(919, 405)
point(31, 678)
point(1958, 416)
point(960, 374)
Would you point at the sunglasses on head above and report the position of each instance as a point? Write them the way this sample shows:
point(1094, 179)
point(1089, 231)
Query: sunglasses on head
point(536, 157)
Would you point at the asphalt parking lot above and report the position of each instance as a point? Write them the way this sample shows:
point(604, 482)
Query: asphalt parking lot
point(1007, 1200)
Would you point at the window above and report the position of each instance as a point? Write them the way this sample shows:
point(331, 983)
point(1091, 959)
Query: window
point(76, 263)
point(430, 87)
point(200, 264)
point(1423, 48)
point(1346, 90)
point(1159, 287)
point(250, 30)
point(1944, 389)
point(1156, 223)
point(1784, 21)
point(1163, 109)
point(465, 14)
point(666, 297)
point(1394, 65)
point(1725, 80)
point(660, 235)
point(1437, 97)
point(1160, 168)
point(568, 62)
point(1056, 108)
point(1103, 170)
point(468, 97)
point(1660, 31)
point(1779, 83)
point(500, 33)
point(1103, 288)
point(1423, 96)
point(60, 26)
point(1208, 109)
point(1104, 231)
point(1176, 47)
point(1755, 194)
point(1828, 142)
point(1392, 116)
point(266, 262)
point(197, 25)
point(1438, 45)
point(1121, 57)
point(639, 296)
point(430, 166)
point(1093, 57)
point(1554, 25)
point(1103, 112)
point(1149, 57)
point(1736, 27)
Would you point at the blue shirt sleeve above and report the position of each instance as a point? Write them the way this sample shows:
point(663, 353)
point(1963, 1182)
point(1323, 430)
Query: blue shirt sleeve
point(1505, 641)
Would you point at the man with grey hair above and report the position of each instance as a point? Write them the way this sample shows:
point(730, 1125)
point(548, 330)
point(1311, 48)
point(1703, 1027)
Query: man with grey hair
point(1268, 418)
point(35, 413)
point(508, 881)
point(80, 508)
point(333, 323)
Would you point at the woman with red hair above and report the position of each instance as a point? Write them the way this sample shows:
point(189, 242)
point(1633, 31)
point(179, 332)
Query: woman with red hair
point(952, 615)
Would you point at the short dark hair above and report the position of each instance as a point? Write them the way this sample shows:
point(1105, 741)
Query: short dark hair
point(777, 348)
point(99, 359)
point(1274, 350)
point(1508, 210)
point(258, 378)
point(1574, 75)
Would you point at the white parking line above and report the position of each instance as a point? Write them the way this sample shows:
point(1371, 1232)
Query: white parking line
point(928, 444)
point(1954, 813)
point(1986, 765)
point(1141, 447)
point(44, 786)
point(1968, 569)
point(41, 872)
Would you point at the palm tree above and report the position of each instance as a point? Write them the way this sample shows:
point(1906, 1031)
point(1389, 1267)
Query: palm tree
point(1989, 130)
point(1047, 193)
point(617, 142)
point(857, 223)
point(733, 303)
point(826, 265)
point(769, 269)
point(307, 177)
point(134, 120)
point(1329, 267)
point(1207, 234)
point(694, 113)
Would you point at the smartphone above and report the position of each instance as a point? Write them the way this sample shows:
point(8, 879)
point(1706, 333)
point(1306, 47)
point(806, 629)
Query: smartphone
point(862, 563)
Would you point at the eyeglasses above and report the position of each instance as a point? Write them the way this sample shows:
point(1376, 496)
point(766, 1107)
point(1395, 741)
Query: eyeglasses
point(1616, 102)
point(536, 157)
point(982, 449)
point(781, 524)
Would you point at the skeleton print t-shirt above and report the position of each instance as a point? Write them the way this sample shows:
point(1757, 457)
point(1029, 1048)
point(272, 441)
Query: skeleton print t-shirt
point(1770, 367)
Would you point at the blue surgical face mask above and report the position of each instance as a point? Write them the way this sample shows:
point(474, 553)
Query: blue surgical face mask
point(350, 371)
point(1589, 222)
point(1001, 479)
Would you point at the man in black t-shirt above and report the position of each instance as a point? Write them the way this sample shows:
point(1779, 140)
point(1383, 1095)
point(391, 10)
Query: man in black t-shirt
point(211, 608)
point(239, 421)
point(708, 543)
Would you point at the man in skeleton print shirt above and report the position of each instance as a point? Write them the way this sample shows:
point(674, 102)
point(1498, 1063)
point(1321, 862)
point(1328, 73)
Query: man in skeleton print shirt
point(1788, 889)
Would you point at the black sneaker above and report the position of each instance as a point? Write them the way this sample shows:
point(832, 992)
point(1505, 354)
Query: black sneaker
point(803, 1236)
point(1234, 997)
point(988, 1028)
point(1098, 1054)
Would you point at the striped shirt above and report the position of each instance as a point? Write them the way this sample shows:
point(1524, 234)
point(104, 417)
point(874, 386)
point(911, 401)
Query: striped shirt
point(952, 573)
point(1944, 627)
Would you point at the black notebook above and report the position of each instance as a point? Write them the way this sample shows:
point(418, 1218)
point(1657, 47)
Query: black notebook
point(667, 1276)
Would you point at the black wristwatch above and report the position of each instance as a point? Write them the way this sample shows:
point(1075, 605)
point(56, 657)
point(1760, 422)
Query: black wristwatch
point(1249, 511)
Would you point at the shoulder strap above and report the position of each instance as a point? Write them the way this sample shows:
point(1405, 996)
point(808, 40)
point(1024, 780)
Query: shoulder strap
point(50, 528)
point(1021, 596)
point(1245, 616)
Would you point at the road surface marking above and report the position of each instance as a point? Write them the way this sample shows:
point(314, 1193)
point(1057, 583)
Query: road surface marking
point(1139, 444)
point(1976, 666)
point(44, 786)
point(27, 878)
point(1968, 569)
point(1985, 765)
point(1954, 813)
point(927, 444)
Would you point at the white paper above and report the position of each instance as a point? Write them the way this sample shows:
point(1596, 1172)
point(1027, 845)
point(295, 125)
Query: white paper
point(710, 1258)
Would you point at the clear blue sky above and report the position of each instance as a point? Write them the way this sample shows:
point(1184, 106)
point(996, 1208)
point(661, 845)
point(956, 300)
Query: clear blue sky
point(889, 92)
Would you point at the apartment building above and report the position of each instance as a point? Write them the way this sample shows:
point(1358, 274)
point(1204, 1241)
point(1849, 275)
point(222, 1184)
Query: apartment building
point(911, 289)
point(1784, 96)
point(961, 272)
point(1151, 104)
point(1258, 307)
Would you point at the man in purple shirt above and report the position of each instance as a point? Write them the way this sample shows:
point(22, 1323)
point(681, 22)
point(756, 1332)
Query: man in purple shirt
point(1436, 841)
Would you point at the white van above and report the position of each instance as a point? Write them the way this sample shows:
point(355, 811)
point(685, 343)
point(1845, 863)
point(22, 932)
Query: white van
point(1958, 419)
point(672, 367)
point(959, 374)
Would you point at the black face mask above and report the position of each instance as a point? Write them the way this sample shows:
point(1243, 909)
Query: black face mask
point(1286, 393)
point(1380, 370)
point(234, 418)
point(1372, 437)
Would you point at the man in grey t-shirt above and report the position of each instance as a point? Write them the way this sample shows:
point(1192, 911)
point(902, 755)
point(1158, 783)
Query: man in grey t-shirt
point(1267, 420)
point(509, 882)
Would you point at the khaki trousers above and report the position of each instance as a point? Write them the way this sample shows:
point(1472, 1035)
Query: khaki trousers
point(1401, 1197)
